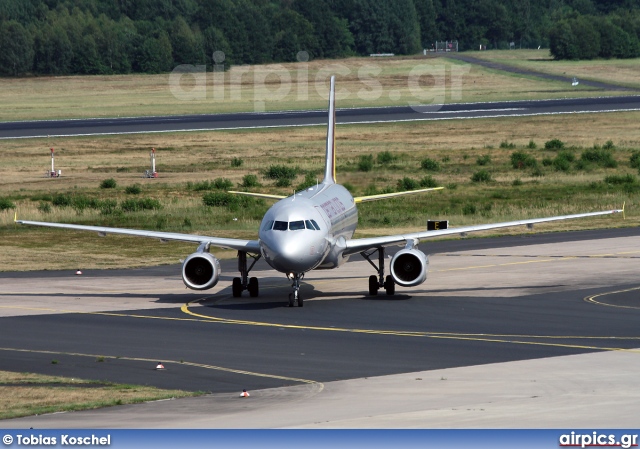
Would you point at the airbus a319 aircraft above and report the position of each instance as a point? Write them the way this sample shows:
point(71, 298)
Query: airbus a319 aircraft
point(309, 230)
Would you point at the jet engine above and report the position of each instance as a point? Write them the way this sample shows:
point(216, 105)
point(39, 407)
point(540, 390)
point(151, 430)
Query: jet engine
point(200, 271)
point(409, 267)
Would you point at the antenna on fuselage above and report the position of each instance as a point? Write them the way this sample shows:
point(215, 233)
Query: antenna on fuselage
point(330, 156)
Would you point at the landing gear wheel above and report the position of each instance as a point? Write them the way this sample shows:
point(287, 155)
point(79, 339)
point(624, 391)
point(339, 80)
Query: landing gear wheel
point(300, 303)
point(373, 285)
point(253, 287)
point(236, 287)
point(291, 303)
point(390, 286)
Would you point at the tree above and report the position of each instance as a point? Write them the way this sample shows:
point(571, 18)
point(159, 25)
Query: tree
point(562, 42)
point(16, 49)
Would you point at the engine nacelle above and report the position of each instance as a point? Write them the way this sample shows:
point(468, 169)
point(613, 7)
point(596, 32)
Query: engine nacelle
point(409, 267)
point(200, 271)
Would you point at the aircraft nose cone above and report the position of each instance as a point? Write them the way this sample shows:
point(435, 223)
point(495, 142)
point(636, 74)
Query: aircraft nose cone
point(287, 253)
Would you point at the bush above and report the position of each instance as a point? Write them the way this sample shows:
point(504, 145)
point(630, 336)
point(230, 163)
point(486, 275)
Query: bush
point(634, 160)
point(507, 145)
point(532, 145)
point(365, 163)
point(107, 207)
point(554, 144)
point(599, 156)
point(428, 182)
point(283, 182)
point(430, 164)
point(516, 182)
point(133, 190)
point(219, 199)
point(140, 204)
point(620, 179)
point(108, 184)
point(250, 181)
point(280, 172)
point(483, 160)
point(563, 160)
point(222, 184)
point(236, 162)
point(386, 157)
point(547, 162)
point(407, 184)
point(44, 207)
point(6, 204)
point(61, 200)
point(481, 176)
point(520, 160)
point(469, 209)
point(609, 145)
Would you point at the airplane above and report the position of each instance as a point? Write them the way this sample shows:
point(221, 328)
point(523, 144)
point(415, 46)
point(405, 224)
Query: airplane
point(309, 230)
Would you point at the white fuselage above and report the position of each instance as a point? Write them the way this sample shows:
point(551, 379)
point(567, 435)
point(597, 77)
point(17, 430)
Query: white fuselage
point(308, 230)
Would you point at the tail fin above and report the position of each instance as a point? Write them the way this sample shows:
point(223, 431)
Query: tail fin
point(330, 158)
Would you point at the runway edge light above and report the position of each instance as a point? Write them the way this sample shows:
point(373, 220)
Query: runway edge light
point(159, 366)
point(244, 394)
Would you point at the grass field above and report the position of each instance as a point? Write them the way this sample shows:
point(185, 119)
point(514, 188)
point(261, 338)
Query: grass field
point(25, 394)
point(188, 159)
point(361, 82)
point(625, 72)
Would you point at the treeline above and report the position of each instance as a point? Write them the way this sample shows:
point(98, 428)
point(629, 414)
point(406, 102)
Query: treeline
point(587, 37)
point(149, 36)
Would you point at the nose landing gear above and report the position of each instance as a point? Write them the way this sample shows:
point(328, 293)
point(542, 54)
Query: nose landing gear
point(295, 297)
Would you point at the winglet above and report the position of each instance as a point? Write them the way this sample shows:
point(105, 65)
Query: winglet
point(330, 157)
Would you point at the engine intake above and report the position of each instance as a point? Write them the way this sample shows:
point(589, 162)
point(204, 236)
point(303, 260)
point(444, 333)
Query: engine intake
point(200, 271)
point(409, 267)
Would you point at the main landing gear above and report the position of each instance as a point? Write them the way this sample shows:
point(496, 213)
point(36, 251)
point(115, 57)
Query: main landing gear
point(379, 281)
point(295, 297)
point(244, 282)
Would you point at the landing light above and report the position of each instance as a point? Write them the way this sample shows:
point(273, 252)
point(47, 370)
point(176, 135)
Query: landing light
point(291, 276)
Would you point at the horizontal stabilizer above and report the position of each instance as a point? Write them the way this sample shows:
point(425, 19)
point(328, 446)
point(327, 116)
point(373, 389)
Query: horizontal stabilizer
point(383, 196)
point(260, 195)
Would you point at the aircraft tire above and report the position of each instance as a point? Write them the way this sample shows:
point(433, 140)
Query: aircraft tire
point(373, 285)
point(390, 286)
point(254, 288)
point(236, 287)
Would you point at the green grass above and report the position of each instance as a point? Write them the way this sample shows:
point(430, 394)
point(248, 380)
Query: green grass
point(26, 394)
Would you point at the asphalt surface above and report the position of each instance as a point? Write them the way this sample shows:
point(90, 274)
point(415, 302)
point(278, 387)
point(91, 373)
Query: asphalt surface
point(100, 126)
point(341, 333)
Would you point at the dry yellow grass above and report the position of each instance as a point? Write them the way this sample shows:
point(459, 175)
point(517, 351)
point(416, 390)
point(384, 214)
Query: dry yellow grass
point(362, 82)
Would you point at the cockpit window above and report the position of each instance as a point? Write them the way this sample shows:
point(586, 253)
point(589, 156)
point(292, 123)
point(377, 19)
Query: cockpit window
point(296, 225)
point(315, 224)
point(268, 225)
point(308, 224)
point(280, 226)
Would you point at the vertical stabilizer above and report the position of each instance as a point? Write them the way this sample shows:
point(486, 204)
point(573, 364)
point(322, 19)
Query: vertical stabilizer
point(330, 158)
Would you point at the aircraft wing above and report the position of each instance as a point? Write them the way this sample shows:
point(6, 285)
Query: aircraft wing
point(354, 246)
point(250, 246)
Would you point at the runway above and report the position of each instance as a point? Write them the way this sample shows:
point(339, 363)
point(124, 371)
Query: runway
point(251, 120)
point(499, 321)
